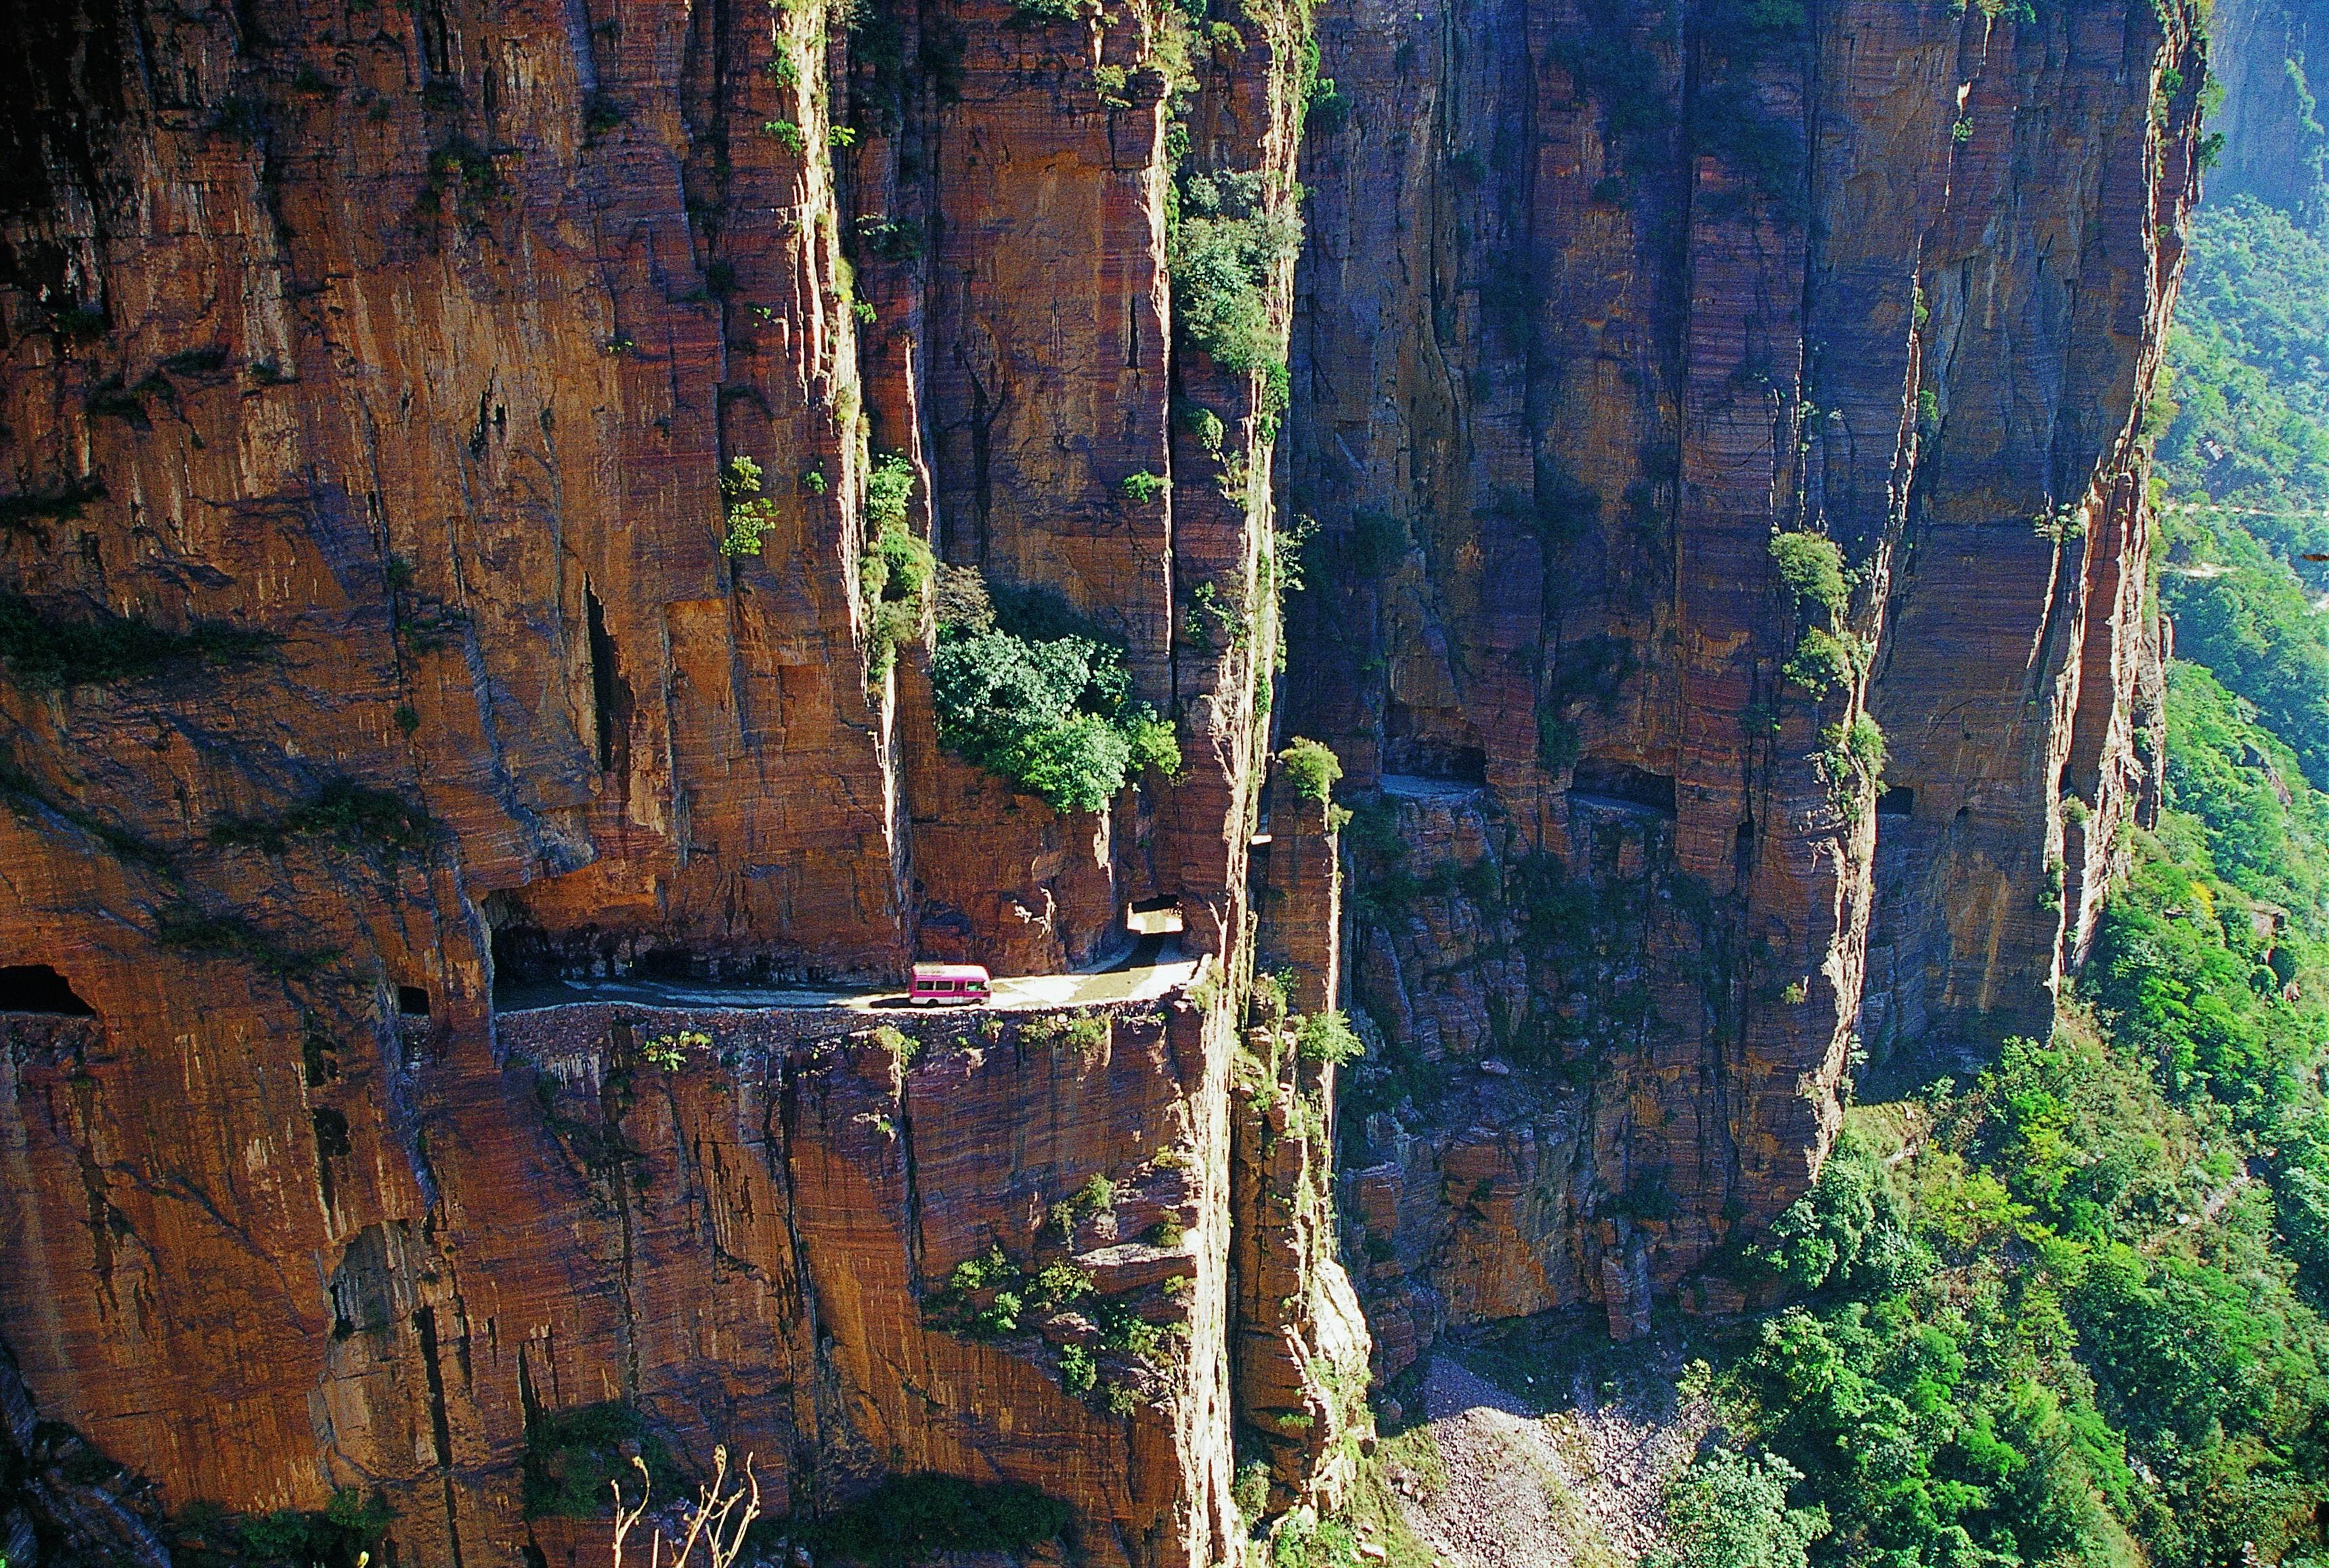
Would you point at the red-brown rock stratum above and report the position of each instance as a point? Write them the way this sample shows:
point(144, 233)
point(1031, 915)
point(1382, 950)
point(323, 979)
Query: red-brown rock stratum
point(740, 498)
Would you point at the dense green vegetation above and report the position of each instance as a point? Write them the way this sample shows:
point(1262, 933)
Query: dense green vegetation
point(2247, 427)
point(897, 566)
point(573, 1458)
point(2065, 1326)
point(2072, 1312)
point(2249, 619)
point(910, 1519)
point(341, 1537)
point(1023, 690)
point(2248, 423)
point(1226, 239)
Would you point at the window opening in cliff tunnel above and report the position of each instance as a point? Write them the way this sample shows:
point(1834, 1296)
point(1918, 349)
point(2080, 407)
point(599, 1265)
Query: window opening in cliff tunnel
point(1899, 801)
point(1621, 784)
point(1418, 757)
point(1152, 917)
point(39, 988)
point(412, 1001)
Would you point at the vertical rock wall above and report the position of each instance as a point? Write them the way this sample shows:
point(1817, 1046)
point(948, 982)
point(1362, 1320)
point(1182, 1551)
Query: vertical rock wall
point(1599, 298)
point(750, 1244)
point(378, 390)
point(2272, 57)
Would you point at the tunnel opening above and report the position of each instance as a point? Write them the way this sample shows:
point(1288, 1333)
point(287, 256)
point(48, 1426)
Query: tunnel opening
point(1901, 800)
point(39, 988)
point(523, 952)
point(1150, 917)
point(1417, 757)
point(1601, 782)
point(412, 1001)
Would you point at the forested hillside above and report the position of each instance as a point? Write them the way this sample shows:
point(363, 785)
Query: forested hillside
point(2072, 1310)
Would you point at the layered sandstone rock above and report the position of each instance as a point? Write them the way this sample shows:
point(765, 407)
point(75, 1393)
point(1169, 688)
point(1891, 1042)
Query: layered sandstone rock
point(395, 360)
point(1597, 301)
point(745, 1243)
point(433, 354)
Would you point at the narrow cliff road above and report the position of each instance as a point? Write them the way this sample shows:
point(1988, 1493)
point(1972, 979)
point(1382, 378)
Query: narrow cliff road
point(1151, 966)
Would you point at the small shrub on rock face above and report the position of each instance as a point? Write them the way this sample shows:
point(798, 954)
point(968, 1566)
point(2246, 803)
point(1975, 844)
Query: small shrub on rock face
point(1821, 661)
point(1153, 746)
point(964, 604)
point(749, 513)
point(670, 1052)
point(1309, 768)
point(1250, 1490)
point(1327, 1037)
point(889, 488)
point(1061, 1282)
point(1812, 567)
point(1217, 622)
point(896, 567)
point(1265, 1001)
point(1144, 487)
point(1223, 251)
point(1851, 756)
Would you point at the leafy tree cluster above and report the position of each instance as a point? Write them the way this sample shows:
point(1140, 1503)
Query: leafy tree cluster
point(1043, 706)
point(1226, 240)
point(897, 566)
point(1725, 1509)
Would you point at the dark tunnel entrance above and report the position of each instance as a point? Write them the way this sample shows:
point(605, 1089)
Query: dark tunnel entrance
point(38, 988)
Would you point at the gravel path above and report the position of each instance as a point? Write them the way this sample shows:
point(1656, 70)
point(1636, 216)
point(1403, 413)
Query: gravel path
point(1579, 1488)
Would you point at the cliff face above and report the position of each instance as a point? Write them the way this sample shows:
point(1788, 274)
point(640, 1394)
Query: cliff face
point(378, 390)
point(439, 452)
point(2272, 57)
point(1597, 301)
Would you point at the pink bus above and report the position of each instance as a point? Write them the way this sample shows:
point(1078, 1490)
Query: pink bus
point(947, 986)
